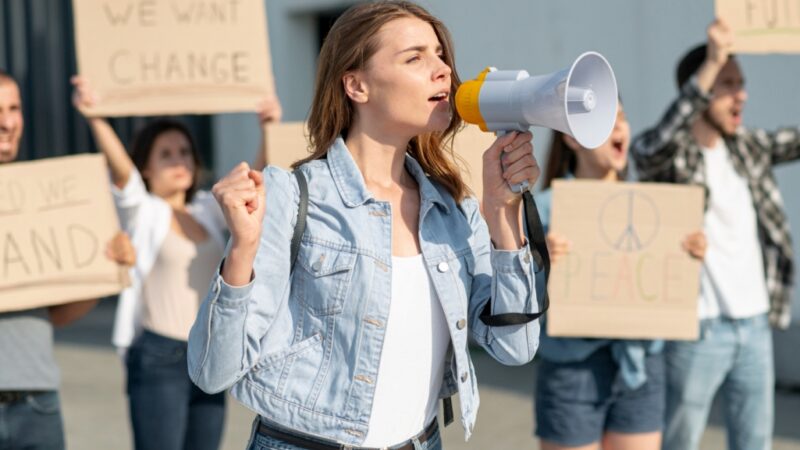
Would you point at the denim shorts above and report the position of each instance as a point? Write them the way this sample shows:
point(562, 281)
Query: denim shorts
point(577, 402)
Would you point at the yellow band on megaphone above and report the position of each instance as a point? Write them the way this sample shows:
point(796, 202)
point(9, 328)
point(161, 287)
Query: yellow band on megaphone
point(468, 100)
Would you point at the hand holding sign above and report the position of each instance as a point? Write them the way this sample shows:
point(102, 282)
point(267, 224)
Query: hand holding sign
point(558, 246)
point(120, 250)
point(720, 42)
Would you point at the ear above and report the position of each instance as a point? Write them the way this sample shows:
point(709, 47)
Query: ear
point(572, 143)
point(355, 87)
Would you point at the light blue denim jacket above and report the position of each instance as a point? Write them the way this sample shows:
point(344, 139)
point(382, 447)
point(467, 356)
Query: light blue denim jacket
point(302, 346)
point(629, 355)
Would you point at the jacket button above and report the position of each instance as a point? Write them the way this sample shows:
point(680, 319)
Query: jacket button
point(316, 266)
point(443, 267)
point(464, 377)
point(461, 324)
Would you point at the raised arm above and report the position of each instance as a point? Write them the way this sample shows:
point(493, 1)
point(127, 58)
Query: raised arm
point(654, 150)
point(119, 162)
point(225, 340)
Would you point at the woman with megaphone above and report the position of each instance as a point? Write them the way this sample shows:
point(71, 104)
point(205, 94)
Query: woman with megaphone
point(597, 393)
point(343, 309)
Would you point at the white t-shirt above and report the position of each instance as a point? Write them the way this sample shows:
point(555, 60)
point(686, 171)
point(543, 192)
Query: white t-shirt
point(732, 282)
point(412, 360)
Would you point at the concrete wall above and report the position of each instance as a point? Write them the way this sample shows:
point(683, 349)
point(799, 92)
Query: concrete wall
point(642, 40)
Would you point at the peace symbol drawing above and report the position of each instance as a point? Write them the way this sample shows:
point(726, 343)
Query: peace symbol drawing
point(629, 221)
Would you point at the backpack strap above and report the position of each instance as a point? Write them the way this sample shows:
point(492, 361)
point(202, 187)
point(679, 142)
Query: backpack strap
point(538, 248)
point(302, 210)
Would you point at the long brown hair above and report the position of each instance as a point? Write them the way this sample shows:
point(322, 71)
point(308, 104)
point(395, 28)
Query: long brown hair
point(350, 43)
point(561, 160)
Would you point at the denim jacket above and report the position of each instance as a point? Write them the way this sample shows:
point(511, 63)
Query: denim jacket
point(301, 345)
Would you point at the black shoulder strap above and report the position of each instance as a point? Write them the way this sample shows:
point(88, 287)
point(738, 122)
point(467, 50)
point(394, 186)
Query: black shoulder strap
point(302, 209)
point(538, 248)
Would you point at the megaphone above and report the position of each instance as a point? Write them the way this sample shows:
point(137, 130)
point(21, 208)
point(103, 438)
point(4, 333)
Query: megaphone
point(580, 100)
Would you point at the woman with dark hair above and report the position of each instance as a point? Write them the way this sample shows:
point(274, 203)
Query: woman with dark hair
point(178, 232)
point(597, 393)
point(353, 343)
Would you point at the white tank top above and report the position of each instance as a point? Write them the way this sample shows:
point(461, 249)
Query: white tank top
point(412, 360)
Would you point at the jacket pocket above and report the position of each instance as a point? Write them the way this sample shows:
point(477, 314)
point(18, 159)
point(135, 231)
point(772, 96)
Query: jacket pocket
point(324, 276)
point(279, 356)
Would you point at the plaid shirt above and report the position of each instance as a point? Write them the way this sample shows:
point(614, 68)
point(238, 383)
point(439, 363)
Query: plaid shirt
point(669, 153)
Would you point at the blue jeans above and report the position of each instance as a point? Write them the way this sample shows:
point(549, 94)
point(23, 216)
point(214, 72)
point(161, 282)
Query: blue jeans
point(32, 423)
point(260, 441)
point(168, 412)
point(734, 356)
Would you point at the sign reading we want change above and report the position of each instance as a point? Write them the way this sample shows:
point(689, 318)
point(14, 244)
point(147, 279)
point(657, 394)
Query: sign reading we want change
point(56, 217)
point(626, 275)
point(160, 57)
point(763, 26)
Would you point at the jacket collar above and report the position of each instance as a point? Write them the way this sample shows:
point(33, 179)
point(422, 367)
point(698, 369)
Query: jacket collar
point(353, 190)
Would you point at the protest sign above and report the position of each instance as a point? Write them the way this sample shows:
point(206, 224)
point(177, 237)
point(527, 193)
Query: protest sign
point(151, 57)
point(626, 274)
point(762, 26)
point(56, 217)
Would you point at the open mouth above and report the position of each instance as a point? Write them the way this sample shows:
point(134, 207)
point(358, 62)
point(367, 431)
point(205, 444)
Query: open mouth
point(440, 97)
point(736, 115)
point(618, 145)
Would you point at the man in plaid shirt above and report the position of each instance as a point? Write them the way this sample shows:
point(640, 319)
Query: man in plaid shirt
point(748, 271)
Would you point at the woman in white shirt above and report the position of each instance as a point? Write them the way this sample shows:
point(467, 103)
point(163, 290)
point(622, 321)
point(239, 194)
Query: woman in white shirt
point(178, 232)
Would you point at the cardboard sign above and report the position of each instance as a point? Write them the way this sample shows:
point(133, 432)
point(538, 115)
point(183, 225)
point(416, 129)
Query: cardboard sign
point(762, 26)
point(287, 142)
point(57, 216)
point(159, 57)
point(626, 275)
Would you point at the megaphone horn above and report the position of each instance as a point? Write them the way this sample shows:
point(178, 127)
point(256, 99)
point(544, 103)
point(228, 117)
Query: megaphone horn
point(580, 100)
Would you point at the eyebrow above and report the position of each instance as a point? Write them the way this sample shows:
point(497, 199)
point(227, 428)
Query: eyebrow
point(420, 48)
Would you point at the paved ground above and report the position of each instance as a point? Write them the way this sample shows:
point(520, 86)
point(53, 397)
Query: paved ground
point(96, 416)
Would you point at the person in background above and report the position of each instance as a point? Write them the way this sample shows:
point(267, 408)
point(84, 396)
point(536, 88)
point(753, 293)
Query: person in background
point(178, 232)
point(30, 409)
point(597, 393)
point(748, 270)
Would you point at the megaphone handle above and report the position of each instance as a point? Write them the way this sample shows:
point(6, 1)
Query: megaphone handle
point(519, 187)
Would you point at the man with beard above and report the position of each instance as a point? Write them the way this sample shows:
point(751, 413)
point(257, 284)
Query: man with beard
point(747, 274)
point(30, 413)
